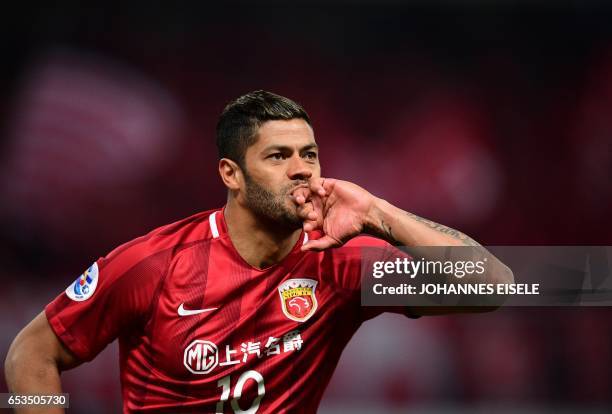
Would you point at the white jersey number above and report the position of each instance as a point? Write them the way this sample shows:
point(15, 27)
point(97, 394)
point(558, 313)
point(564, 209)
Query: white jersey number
point(225, 384)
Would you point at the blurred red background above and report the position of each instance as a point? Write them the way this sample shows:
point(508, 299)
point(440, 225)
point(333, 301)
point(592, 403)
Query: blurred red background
point(492, 118)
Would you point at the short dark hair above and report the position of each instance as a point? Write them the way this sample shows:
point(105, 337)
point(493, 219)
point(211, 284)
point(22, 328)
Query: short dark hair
point(238, 124)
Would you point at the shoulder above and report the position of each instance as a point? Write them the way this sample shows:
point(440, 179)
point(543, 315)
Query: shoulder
point(350, 256)
point(342, 265)
point(365, 241)
point(159, 245)
point(362, 240)
point(355, 247)
point(353, 251)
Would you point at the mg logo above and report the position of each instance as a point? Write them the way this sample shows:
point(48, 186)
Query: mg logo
point(201, 357)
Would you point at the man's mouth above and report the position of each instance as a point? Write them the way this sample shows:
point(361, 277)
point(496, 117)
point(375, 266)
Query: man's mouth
point(299, 186)
point(302, 189)
point(296, 188)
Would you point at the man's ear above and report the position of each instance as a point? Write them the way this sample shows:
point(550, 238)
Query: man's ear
point(231, 174)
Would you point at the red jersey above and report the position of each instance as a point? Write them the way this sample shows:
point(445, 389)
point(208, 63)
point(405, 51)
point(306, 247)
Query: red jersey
point(201, 330)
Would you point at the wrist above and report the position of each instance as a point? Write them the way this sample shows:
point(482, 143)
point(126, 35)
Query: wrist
point(377, 222)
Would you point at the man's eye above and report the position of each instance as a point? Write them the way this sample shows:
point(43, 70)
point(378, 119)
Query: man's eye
point(277, 156)
point(311, 155)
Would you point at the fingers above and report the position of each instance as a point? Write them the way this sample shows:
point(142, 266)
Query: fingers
point(309, 216)
point(323, 243)
point(301, 195)
point(317, 186)
point(310, 225)
point(310, 202)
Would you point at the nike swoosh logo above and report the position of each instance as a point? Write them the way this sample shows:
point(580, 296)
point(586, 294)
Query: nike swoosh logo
point(187, 312)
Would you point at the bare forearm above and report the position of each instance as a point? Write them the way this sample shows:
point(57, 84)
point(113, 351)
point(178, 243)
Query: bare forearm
point(402, 228)
point(29, 371)
point(35, 378)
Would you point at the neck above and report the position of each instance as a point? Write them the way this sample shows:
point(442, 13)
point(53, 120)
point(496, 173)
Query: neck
point(259, 242)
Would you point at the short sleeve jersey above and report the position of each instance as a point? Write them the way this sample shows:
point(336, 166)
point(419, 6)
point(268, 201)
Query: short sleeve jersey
point(201, 330)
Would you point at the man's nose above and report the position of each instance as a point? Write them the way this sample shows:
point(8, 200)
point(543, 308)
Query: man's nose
point(299, 169)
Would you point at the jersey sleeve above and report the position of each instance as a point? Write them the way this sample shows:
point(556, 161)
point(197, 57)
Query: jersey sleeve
point(347, 263)
point(113, 296)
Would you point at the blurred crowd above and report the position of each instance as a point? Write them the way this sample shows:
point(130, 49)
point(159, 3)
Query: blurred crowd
point(106, 138)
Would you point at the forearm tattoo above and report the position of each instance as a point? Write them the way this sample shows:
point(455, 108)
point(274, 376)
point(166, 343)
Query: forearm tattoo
point(465, 239)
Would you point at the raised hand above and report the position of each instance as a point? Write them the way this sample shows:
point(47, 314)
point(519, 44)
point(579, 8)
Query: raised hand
point(338, 208)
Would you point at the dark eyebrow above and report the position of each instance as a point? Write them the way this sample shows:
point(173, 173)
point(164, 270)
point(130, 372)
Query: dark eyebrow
point(286, 148)
point(309, 147)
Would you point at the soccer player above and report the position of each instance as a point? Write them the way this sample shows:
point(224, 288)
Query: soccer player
point(241, 309)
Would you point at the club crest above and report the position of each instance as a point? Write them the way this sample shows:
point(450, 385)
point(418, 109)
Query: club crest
point(298, 298)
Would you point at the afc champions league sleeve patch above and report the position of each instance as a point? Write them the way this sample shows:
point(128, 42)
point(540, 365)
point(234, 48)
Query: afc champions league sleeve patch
point(298, 299)
point(85, 285)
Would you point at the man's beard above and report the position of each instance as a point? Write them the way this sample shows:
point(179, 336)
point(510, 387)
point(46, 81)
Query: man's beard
point(272, 207)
